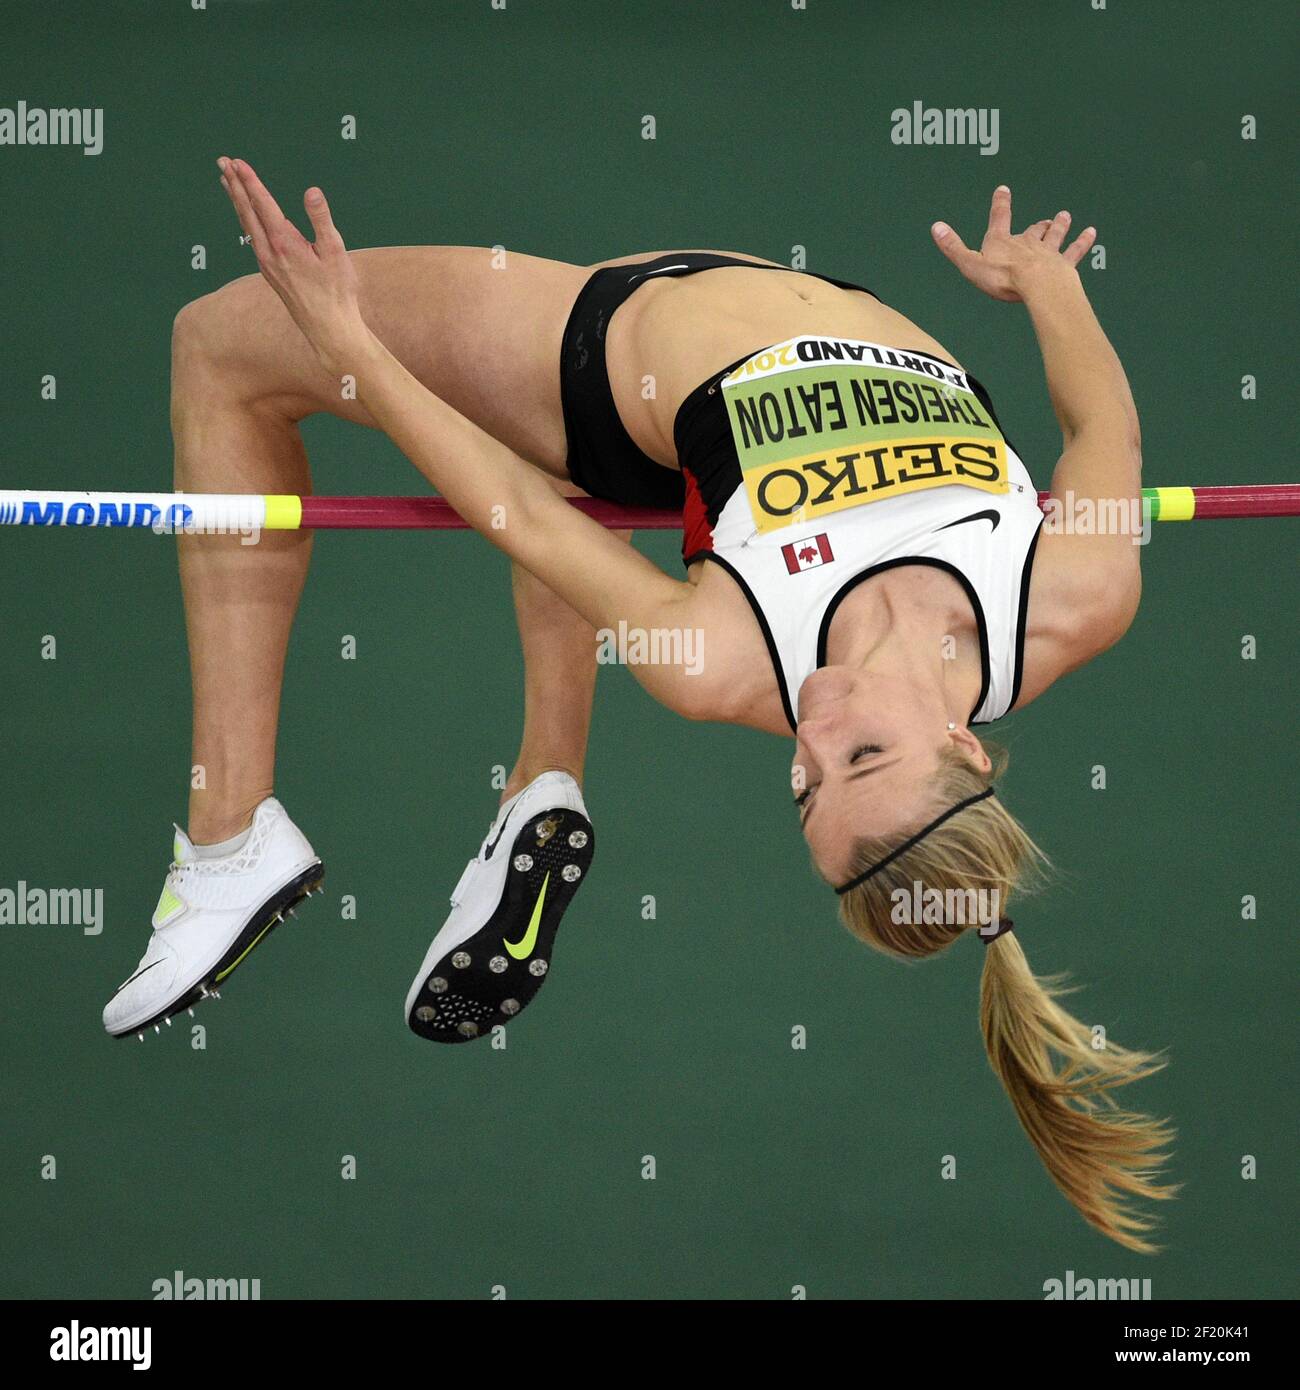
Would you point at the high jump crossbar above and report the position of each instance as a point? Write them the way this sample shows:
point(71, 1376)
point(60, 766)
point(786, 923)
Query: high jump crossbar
point(225, 512)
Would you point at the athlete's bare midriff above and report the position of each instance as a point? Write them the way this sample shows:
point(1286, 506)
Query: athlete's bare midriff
point(677, 332)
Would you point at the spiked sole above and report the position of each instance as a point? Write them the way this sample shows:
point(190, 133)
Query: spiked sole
point(259, 927)
point(494, 976)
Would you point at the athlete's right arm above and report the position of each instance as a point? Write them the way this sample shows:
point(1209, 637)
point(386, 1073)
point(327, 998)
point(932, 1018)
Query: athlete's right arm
point(499, 494)
point(511, 504)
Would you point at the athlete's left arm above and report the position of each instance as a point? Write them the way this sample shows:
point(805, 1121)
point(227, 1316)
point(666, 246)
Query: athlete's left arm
point(1086, 578)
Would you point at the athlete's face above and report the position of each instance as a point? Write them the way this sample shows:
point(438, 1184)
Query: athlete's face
point(866, 750)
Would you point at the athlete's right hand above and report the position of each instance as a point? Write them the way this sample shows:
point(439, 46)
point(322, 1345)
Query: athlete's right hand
point(317, 281)
point(1006, 266)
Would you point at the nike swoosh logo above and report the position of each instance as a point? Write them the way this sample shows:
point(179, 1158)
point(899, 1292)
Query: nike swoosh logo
point(521, 950)
point(136, 976)
point(992, 516)
point(487, 853)
point(663, 270)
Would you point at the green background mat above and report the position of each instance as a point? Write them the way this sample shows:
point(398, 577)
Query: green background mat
point(522, 1168)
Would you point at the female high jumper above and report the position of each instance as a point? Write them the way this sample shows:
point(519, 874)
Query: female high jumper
point(867, 573)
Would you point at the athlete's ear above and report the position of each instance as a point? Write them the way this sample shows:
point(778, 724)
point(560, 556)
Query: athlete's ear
point(970, 748)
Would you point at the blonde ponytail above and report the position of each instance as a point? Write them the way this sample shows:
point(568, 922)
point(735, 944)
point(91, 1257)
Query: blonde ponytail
point(1096, 1153)
point(1060, 1085)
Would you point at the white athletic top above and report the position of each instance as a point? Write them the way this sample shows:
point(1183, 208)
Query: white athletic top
point(955, 495)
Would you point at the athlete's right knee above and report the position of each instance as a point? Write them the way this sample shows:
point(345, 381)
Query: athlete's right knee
point(237, 346)
point(204, 338)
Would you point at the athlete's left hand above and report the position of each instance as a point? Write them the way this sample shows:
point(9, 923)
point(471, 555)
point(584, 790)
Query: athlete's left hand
point(317, 281)
point(1009, 267)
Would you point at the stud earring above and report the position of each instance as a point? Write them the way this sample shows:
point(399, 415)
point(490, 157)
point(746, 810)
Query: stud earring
point(951, 726)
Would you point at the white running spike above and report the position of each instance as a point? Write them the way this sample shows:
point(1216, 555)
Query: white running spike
point(157, 1029)
point(140, 1036)
point(191, 1013)
point(169, 1021)
point(215, 994)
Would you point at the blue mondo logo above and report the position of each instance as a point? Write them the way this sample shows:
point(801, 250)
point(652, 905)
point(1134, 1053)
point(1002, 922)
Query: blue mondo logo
point(175, 517)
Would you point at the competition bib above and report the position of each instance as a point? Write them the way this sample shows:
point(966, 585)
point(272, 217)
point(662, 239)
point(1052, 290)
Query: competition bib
point(822, 424)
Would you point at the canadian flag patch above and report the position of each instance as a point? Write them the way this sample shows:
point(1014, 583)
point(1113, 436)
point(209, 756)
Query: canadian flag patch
point(807, 554)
